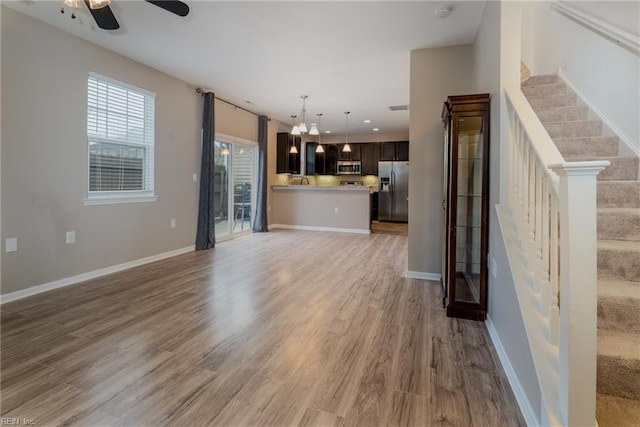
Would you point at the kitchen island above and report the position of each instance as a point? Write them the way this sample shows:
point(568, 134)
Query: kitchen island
point(322, 208)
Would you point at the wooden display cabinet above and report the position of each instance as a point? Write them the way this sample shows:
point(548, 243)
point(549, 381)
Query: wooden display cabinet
point(465, 205)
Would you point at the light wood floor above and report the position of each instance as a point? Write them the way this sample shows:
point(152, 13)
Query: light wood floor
point(280, 328)
point(396, 228)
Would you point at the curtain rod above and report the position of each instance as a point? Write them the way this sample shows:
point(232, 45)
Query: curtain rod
point(201, 92)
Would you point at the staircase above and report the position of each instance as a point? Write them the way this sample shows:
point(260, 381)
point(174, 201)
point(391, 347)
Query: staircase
point(579, 137)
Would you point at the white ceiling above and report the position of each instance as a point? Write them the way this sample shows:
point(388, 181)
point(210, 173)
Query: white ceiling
point(344, 55)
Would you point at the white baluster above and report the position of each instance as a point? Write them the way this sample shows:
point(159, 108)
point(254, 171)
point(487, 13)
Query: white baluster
point(554, 272)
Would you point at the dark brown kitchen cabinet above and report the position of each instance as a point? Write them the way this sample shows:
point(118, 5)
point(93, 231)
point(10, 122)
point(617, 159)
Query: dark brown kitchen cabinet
point(287, 162)
point(370, 153)
point(465, 205)
point(325, 163)
point(354, 154)
point(402, 151)
point(394, 151)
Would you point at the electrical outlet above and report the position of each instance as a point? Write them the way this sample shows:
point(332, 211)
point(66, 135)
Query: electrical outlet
point(336, 210)
point(71, 237)
point(173, 223)
point(195, 177)
point(11, 245)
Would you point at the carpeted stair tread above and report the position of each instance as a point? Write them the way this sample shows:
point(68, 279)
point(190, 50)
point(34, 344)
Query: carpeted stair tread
point(619, 224)
point(621, 168)
point(575, 128)
point(541, 80)
point(618, 363)
point(619, 260)
point(624, 194)
point(546, 101)
point(613, 411)
point(619, 344)
point(619, 245)
point(557, 88)
point(562, 114)
point(619, 305)
point(593, 146)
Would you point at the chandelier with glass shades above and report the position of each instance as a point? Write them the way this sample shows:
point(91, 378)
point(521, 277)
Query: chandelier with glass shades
point(301, 128)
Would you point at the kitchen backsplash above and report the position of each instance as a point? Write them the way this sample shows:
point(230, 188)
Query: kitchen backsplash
point(326, 180)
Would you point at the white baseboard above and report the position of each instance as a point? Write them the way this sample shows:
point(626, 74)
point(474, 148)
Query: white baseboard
point(314, 228)
point(523, 402)
point(424, 276)
point(33, 290)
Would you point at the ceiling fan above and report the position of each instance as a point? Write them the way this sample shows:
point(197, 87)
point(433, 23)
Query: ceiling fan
point(105, 19)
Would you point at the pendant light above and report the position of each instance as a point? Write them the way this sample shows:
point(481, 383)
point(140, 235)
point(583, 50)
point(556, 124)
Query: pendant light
point(76, 4)
point(347, 147)
point(319, 148)
point(98, 4)
point(295, 130)
point(294, 149)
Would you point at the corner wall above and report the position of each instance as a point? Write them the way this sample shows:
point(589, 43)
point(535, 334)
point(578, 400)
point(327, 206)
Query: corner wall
point(496, 65)
point(435, 74)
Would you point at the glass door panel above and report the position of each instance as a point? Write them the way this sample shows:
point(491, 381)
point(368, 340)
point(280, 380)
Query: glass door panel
point(468, 218)
point(222, 171)
point(243, 191)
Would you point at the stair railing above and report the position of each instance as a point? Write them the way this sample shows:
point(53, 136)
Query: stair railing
point(552, 208)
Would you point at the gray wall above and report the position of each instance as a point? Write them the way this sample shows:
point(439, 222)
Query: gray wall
point(435, 74)
point(496, 64)
point(44, 162)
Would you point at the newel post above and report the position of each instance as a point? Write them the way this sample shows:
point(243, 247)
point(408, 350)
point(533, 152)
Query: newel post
point(578, 290)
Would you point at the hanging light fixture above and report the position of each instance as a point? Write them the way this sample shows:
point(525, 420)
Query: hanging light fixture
point(76, 4)
point(347, 147)
point(314, 129)
point(319, 148)
point(294, 131)
point(224, 151)
point(98, 4)
point(302, 125)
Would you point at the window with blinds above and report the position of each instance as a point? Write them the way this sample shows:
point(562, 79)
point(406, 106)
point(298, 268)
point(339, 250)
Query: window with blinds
point(120, 124)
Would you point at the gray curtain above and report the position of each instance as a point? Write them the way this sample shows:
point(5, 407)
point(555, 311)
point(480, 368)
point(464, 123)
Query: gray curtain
point(206, 233)
point(260, 222)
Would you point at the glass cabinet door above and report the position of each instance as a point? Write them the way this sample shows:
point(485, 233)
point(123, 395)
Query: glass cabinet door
point(468, 218)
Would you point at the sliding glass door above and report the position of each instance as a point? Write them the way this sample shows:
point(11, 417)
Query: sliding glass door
point(234, 186)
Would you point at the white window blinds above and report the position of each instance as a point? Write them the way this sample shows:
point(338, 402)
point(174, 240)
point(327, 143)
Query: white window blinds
point(120, 124)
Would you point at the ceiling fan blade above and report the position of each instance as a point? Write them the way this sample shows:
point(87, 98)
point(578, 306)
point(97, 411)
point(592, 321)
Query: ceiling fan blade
point(177, 7)
point(104, 17)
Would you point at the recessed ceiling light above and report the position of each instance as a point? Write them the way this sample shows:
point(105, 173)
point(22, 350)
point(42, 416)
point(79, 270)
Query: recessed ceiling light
point(376, 129)
point(327, 131)
point(367, 121)
point(443, 12)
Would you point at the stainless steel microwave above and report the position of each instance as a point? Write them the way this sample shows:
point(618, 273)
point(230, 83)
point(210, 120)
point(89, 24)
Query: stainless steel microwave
point(349, 167)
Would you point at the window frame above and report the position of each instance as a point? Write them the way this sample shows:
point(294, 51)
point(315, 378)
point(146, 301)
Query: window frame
point(127, 196)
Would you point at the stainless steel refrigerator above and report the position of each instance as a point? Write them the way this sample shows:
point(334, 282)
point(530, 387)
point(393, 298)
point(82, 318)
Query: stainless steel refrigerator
point(393, 191)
